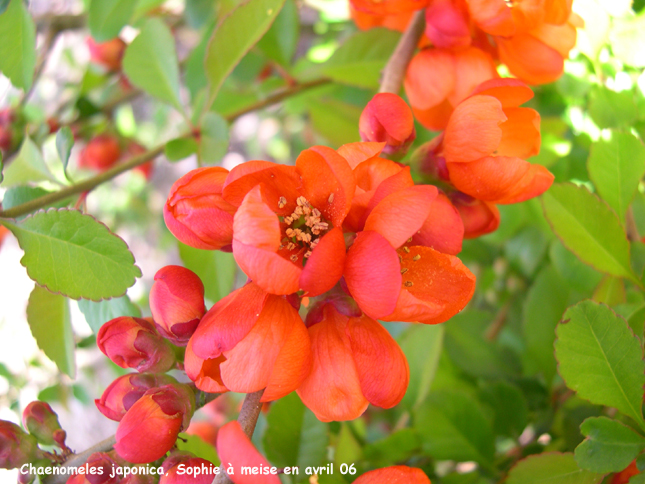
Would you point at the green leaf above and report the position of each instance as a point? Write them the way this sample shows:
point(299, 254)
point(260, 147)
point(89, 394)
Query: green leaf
point(422, 347)
point(28, 166)
point(198, 446)
point(578, 276)
point(64, 144)
point(180, 148)
point(234, 37)
point(510, 408)
point(74, 254)
point(15, 196)
point(144, 6)
point(18, 46)
point(609, 446)
point(610, 109)
point(213, 141)
point(215, 268)
point(150, 62)
point(48, 318)
point(399, 446)
point(527, 249)
point(3, 6)
point(294, 436)
point(452, 426)
point(335, 120)
point(610, 291)
point(544, 305)
point(280, 41)
point(98, 313)
point(106, 18)
point(360, 60)
point(551, 468)
point(616, 167)
point(589, 229)
point(600, 358)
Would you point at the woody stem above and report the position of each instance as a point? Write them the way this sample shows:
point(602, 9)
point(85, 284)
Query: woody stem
point(396, 67)
point(248, 418)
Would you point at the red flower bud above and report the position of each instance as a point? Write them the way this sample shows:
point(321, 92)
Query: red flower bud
point(42, 422)
point(185, 468)
point(429, 160)
point(150, 427)
point(388, 119)
point(479, 217)
point(126, 390)
point(108, 54)
point(100, 468)
point(177, 303)
point(196, 213)
point(134, 343)
point(16, 446)
point(101, 153)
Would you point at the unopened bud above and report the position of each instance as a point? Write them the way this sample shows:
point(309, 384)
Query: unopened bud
point(100, 153)
point(16, 446)
point(177, 303)
point(388, 119)
point(42, 422)
point(108, 54)
point(134, 343)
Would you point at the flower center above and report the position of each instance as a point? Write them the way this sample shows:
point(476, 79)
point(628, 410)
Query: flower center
point(303, 228)
point(407, 261)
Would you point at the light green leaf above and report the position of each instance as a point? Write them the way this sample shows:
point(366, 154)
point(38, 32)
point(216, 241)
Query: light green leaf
point(106, 18)
point(610, 109)
point(600, 358)
point(294, 436)
point(150, 62)
point(180, 148)
point(235, 35)
point(544, 305)
point(610, 291)
point(18, 46)
point(3, 6)
point(280, 41)
point(422, 347)
point(609, 446)
point(616, 167)
point(144, 6)
point(589, 229)
point(452, 426)
point(578, 276)
point(360, 60)
point(213, 142)
point(73, 254)
point(48, 317)
point(215, 268)
point(335, 120)
point(28, 166)
point(98, 313)
point(64, 144)
point(198, 446)
point(551, 468)
point(15, 196)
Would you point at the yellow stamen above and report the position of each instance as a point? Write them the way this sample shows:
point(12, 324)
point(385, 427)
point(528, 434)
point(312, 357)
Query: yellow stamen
point(408, 284)
point(417, 257)
point(282, 202)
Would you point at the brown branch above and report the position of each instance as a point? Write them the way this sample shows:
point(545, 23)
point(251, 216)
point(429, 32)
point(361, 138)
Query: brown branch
point(396, 67)
point(248, 418)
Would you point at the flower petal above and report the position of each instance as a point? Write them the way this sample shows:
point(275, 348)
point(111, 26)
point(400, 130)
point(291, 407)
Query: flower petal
point(430, 78)
point(267, 269)
point(530, 59)
point(399, 215)
point(394, 475)
point(382, 368)
point(204, 372)
point(357, 153)
point(443, 230)
point(255, 223)
point(520, 133)
point(325, 266)
point(373, 274)
point(332, 391)
point(510, 92)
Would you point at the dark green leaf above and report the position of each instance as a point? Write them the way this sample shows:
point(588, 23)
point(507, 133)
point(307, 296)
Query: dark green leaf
point(578, 276)
point(18, 46)
point(422, 347)
point(150, 62)
point(199, 12)
point(609, 445)
point(48, 317)
point(610, 109)
point(235, 35)
point(600, 358)
point(106, 18)
point(64, 144)
point(396, 447)
point(294, 436)
point(216, 269)
point(280, 41)
point(74, 254)
point(98, 313)
point(527, 249)
point(213, 141)
point(452, 426)
point(180, 148)
point(551, 468)
point(3, 5)
point(544, 305)
point(510, 408)
point(588, 228)
point(360, 60)
point(616, 167)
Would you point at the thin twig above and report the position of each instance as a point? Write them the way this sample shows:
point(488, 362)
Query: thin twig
point(396, 67)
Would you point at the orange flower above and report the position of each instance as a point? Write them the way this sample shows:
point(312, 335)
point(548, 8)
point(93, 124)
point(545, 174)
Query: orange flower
point(479, 217)
point(394, 475)
point(287, 231)
point(356, 362)
point(388, 119)
point(366, 21)
point(439, 79)
point(388, 7)
point(447, 24)
point(487, 140)
point(248, 341)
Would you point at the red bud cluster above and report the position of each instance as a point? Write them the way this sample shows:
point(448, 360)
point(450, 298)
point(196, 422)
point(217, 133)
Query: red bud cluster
point(101, 153)
point(42, 422)
point(16, 446)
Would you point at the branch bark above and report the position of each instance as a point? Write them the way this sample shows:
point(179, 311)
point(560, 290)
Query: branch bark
point(396, 67)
